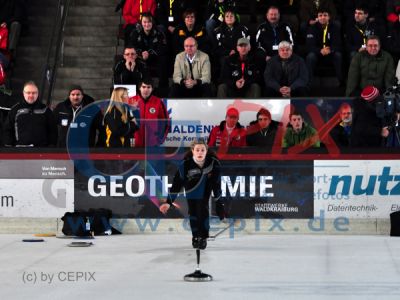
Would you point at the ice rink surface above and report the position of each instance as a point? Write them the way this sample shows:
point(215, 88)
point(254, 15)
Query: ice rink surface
point(152, 266)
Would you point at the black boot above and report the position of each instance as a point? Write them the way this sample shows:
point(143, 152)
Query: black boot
point(195, 242)
point(202, 243)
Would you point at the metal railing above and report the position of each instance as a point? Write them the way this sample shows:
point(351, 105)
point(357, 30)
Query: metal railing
point(54, 51)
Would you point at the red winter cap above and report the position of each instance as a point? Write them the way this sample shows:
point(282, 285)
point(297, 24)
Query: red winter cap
point(369, 93)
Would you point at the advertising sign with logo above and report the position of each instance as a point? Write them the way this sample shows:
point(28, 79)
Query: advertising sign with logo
point(357, 188)
point(36, 188)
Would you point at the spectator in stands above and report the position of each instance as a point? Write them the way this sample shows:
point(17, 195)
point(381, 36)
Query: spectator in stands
point(131, 12)
point(392, 44)
point(240, 75)
point(269, 35)
point(288, 9)
point(66, 112)
point(342, 131)
point(151, 47)
point(372, 67)
point(309, 10)
point(190, 28)
point(359, 30)
point(392, 12)
point(324, 45)
point(131, 69)
point(229, 133)
point(262, 132)
point(286, 74)
point(227, 34)
point(192, 72)
point(367, 129)
point(215, 15)
point(30, 123)
point(298, 132)
point(375, 8)
point(153, 127)
point(169, 13)
point(119, 121)
point(11, 17)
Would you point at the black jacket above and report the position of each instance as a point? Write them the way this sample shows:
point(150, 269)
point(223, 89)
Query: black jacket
point(232, 71)
point(226, 38)
point(178, 8)
point(267, 39)
point(198, 182)
point(366, 127)
point(296, 73)
point(30, 125)
point(155, 43)
point(215, 9)
point(315, 38)
point(65, 115)
point(341, 136)
point(123, 76)
point(118, 133)
point(392, 43)
point(265, 138)
point(356, 34)
point(181, 33)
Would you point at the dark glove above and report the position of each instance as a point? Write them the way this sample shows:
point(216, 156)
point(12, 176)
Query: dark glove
point(220, 209)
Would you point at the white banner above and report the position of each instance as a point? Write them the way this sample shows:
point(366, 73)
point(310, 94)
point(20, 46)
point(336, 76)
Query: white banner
point(356, 188)
point(196, 117)
point(36, 198)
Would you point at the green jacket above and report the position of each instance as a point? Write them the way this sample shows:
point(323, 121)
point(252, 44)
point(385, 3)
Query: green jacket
point(292, 138)
point(370, 70)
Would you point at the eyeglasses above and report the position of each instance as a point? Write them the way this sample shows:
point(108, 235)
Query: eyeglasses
point(189, 46)
point(242, 45)
point(130, 54)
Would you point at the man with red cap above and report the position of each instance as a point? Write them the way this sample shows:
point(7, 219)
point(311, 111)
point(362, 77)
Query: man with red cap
point(367, 129)
point(229, 133)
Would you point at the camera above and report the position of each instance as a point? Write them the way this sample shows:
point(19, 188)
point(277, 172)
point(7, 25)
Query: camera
point(389, 105)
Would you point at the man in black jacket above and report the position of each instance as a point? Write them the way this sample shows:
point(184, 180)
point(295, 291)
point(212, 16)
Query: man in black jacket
point(286, 74)
point(269, 35)
point(30, 123)
point(66, 114)
point(359, 30)
point(262, 132)
point(324, 44)
point(240, 74)
point(131, 69)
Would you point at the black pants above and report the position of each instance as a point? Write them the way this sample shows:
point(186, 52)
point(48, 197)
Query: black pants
point(199, 217)
point(299, 92)
point(198, 91)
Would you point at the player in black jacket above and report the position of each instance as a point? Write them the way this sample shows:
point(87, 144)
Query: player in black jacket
point(199, 175)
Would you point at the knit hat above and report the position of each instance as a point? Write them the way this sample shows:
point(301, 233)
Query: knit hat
point(369, 93)
point(75, 87)
point(232, 112)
